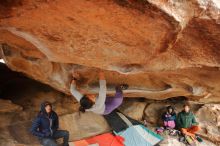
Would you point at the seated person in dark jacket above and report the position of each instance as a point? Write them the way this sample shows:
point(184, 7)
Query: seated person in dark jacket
point(169, 118)
point(187, 122)
point(46, 125)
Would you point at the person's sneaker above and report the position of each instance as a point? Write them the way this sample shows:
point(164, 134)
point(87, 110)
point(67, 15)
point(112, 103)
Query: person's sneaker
point(159, 130)
point(173, 132)
point(182, 139)
point(124, 86)
point(199, 138)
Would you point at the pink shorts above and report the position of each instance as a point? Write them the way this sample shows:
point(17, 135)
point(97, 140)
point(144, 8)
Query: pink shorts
point(170, 124)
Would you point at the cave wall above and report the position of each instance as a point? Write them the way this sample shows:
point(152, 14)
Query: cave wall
point(162, 49)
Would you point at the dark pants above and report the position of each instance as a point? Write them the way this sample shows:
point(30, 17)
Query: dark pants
point(58, 134)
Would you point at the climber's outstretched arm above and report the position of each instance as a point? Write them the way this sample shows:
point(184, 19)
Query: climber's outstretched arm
point(100, 101)
point(99, 106)
point(74, 91)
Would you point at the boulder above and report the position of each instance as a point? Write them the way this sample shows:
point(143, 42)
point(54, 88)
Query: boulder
point(83, 125)
point(133, 109)
point(162, 49)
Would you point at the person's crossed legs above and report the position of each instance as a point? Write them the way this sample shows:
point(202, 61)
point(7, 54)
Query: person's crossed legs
point(190, 131)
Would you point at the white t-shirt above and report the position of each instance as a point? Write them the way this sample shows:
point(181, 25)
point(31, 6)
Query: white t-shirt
point(99, 106)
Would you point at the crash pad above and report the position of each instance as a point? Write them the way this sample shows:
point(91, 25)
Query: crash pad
point(138, 135)
point(107, 139)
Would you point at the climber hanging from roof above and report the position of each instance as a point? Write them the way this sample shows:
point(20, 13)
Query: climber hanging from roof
point(101, 104)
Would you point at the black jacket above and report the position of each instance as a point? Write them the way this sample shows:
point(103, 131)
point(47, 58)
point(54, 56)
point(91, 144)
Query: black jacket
point(45, 125)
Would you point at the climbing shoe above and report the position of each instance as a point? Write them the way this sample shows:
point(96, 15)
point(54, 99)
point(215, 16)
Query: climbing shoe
point(122, 87)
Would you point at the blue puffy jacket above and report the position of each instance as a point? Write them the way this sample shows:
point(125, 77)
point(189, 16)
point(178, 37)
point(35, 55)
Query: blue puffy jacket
point(45, 124)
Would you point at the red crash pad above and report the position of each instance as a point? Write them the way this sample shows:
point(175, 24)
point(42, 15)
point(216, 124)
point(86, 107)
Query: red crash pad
point(106, 139)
